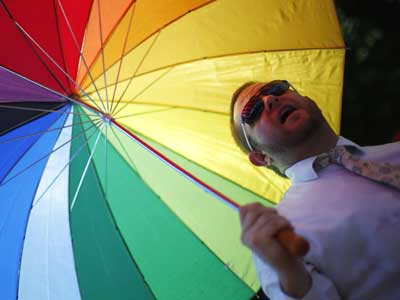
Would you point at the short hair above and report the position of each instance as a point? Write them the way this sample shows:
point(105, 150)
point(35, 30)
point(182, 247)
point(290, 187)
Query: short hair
point(238, 134)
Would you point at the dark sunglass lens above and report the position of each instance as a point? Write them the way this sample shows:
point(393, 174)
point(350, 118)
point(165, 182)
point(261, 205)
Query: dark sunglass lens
point(252, 111)
point(277, 89)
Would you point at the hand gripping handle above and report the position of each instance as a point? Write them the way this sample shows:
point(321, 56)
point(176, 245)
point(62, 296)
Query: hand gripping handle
point(295, 244)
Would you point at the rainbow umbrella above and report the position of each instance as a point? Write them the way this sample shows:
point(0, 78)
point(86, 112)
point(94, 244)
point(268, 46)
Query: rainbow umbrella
point(117, 162)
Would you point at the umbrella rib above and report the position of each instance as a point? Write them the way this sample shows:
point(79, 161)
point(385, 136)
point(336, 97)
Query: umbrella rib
point(66, 165)
point(85, 170)
point(39, 109)
point(102, 55)
point(104, 196)
point(78, 48)
point(92, 109)
point(222, 56)
point(61, 44)
point(122, 57)
point(26, 121)
point(167, 24)
point(43, 157)
point(137, 69)
point(106, 160)
point(136, 132)
point(207, 188)
point(126, 153)
point(169, 107)
point(176, 19)
point(136, 171)
point(146, 112)
point(39, 132)
point(52, 74)
point(143, 90)
point(31, 145)
point(55, 63)
point(128, 156)
point(107, 39)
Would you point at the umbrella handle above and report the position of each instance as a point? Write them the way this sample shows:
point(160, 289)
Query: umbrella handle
point(294, 243)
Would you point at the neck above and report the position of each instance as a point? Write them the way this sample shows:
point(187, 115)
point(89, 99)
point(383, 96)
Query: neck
point(320, 141)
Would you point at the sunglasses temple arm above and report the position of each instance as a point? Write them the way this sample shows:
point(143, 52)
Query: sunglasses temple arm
point(245, 137)
point(294, 89)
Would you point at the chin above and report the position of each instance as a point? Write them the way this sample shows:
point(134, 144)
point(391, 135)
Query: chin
point(304, 129)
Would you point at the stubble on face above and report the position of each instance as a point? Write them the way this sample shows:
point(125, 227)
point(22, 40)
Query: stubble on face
point(300, 129)
point(274, 137)
point(313, 121)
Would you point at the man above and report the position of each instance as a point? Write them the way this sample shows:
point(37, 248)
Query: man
point(350, 221)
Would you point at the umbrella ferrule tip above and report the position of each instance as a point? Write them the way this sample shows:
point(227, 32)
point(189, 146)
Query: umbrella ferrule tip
point(107, 118)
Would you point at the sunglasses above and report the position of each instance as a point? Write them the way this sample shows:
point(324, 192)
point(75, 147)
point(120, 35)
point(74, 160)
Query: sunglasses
point(254, 107)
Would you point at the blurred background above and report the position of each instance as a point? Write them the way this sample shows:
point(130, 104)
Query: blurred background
point(371, 106)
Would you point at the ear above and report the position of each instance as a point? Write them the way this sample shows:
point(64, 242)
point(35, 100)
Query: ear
point(260, 159)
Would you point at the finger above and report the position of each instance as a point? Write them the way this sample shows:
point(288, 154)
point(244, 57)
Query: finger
point(250, 219)
point(245, 209)
point(257, 233)
point(253, 214)
point(276, 225)
point(252, 235)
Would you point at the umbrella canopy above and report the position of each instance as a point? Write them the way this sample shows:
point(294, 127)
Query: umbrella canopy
point(117, 159)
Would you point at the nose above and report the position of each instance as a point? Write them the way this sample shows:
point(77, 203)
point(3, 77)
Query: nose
point(271, 102)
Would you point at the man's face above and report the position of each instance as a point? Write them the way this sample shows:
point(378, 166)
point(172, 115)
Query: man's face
point(285, 121)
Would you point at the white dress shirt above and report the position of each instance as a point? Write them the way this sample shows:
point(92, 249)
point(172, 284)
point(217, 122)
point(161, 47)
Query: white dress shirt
point(352, 225)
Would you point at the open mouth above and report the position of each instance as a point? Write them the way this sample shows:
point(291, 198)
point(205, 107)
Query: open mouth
point(286, 112)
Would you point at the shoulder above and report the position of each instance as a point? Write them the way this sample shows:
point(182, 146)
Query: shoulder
point(373, 148)
point(385, 147)
point(381, 153)
point(386, 152)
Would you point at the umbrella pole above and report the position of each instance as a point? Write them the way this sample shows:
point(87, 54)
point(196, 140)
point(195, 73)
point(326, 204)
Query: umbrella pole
point(295, 244)
point(178, 168)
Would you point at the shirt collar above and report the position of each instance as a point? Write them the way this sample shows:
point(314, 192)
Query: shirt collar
point(304, 171)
